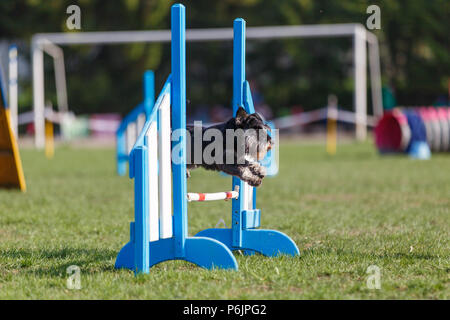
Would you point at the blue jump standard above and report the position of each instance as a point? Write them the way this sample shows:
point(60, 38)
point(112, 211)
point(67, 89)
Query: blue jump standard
point(243, 234)
point(140, 254)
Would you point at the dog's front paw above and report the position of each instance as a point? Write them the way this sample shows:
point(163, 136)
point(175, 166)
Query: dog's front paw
point(257, 170)
point(251, 178)
point(255, 181)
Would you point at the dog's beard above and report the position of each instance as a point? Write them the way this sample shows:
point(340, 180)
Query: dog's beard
point(257, 145)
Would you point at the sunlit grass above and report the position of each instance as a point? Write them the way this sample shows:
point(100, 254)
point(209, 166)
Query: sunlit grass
point(345, 213)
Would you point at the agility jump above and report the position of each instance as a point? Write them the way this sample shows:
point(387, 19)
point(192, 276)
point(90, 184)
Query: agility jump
point(156, 235)
point(244, 235)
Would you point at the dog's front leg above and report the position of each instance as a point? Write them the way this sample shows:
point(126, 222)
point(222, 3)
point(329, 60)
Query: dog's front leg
point(257, 169)
point(243, 172)
point(249, 176)
point(231, 169)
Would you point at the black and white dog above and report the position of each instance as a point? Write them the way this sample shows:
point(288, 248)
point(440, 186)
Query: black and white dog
point(245, 141)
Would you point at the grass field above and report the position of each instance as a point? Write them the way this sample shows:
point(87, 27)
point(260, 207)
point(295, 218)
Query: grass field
point(345, 213)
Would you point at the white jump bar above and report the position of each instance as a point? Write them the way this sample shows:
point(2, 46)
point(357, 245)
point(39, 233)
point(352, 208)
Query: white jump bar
point(213, 196)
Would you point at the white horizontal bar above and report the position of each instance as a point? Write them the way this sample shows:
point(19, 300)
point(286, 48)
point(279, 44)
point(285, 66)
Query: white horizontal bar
point(316, 115)
point(212, 34)
point(49, 114)
point(300, 119)
point(212, 196)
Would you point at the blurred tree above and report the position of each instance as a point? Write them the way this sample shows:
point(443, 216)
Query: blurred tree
point(413, 37)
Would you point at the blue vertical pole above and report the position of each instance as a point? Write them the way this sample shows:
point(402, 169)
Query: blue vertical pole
point(141, 214)
point(121, 151)
point(238, 63)
point(149, 92)
point(248, 100)
point(178, 94)
point(238, 100)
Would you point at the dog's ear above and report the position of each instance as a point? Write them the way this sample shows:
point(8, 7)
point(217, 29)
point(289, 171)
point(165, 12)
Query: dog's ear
point(241, 114)
point(258, 116)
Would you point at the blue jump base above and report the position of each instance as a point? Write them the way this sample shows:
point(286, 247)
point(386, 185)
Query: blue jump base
point(269, 243)
point(204, 252)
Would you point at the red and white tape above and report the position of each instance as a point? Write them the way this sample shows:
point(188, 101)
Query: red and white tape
point(212, 196)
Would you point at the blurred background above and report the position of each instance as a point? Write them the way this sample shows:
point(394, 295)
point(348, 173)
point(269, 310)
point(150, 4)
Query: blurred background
point(287, 76)
point(348, 208)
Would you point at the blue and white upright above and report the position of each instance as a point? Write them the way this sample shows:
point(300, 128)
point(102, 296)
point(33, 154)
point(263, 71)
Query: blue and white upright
point(157, 235)
point(244, 233)
point(132, 124)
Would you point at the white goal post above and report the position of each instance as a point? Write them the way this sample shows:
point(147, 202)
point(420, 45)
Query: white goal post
point(48, 42)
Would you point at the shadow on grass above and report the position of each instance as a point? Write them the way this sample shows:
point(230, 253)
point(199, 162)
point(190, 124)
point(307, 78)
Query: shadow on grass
point(54, 261)
point(363, 256)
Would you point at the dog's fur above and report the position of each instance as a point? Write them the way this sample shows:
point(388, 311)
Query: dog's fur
point(246, 167)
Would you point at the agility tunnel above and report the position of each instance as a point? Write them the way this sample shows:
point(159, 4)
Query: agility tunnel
point(415, 131)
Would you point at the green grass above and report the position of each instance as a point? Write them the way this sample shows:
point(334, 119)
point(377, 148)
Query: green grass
point(345, 213)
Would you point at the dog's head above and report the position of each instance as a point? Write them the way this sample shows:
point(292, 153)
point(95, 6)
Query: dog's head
point(257, 136)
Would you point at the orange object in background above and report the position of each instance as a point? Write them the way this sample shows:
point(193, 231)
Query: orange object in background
point(49, 140)
point(11, 172)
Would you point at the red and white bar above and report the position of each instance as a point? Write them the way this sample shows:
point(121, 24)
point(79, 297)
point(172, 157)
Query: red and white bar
point(212, 196)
